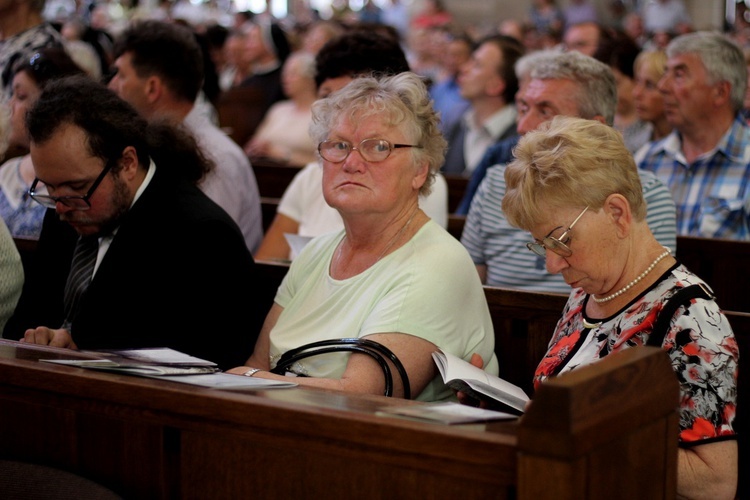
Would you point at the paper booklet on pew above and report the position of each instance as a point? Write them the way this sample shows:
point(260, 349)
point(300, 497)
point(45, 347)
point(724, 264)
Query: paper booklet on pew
point(462, 376)
point(445, 413)
point(159, 361)
point(168, 363)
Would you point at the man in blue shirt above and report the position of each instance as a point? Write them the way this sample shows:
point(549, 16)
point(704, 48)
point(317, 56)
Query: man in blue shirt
point(705, 161)
point(569, 84)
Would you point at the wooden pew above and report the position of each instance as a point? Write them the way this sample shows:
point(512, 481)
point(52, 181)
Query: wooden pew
point(723, 264)
point(456, 225)
point(273, 177)
point(523, 323)
point(456, 188)
point(148, 438)
point(268, 210)
point(240, 112)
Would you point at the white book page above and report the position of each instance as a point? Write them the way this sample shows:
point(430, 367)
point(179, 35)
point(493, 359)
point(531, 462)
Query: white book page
point(456, 372)
point(161, 355)
point(446, 413)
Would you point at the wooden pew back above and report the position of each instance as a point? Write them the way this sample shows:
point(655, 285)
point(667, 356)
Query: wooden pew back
point(523, 323)
point(268, 208)
point(456, 188)
point(721, 263)
point(273, 177)
point(240, 112)
point(148, 438)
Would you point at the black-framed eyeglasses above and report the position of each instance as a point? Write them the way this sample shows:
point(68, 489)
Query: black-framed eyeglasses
point(372, 150)
point(557, 245)
point(74, 202)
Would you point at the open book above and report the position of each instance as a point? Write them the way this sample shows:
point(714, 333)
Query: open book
point(462, 376)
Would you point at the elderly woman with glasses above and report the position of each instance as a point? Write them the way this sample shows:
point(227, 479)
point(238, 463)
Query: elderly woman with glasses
point(391, 275)
point(575, 188)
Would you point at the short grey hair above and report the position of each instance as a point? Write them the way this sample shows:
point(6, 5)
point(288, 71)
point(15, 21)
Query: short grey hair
point(722, 58)
point(597, 94)
point(400, 100)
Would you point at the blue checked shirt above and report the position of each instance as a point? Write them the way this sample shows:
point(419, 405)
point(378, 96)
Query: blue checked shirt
point(712, 194)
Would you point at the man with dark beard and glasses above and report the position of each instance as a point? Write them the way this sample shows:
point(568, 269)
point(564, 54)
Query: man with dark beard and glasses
point(170, 267)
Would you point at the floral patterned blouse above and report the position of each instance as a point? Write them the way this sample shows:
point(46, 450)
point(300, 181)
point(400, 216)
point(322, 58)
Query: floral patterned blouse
point(700, 343)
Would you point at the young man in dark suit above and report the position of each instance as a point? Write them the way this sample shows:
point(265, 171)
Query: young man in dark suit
point(172, 268)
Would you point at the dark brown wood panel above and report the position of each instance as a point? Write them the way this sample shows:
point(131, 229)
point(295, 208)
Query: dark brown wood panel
point(240, 112)
point(524, 323)
point(723, 264)
point(147, 438)
point(273, 178)
point(456, 188)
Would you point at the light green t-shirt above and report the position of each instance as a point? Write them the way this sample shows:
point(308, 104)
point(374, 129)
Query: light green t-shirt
point(428, 288)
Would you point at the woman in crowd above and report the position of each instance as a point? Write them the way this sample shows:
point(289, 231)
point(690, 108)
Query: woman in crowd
point(303, 210)
point(391, 275)
point(574, 186)
point(649, 103)
point(23, 215)
point(282, 135)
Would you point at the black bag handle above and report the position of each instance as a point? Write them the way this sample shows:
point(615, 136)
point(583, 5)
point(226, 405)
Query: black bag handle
point(375, 350)
point(670, 307)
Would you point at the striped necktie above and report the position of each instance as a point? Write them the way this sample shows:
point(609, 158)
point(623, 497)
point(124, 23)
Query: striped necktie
point(81, 270)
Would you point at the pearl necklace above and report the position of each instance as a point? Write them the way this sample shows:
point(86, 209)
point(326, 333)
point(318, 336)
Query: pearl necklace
point(632, 283)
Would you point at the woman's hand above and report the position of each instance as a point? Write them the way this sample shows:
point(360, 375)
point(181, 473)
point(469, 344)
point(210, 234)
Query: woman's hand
point(464, 398)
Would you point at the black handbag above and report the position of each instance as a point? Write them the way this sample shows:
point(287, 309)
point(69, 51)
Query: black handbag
point(375, 350)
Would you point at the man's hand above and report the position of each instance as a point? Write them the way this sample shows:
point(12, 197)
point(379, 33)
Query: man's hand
point(42, 335)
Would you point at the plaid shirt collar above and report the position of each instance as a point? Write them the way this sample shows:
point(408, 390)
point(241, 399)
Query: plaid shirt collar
point(732, 144)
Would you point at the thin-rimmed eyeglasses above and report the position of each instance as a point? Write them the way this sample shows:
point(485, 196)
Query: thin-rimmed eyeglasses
point(372, 150)
point(557, 245)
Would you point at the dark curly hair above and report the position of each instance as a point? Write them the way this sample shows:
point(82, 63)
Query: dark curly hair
point(111, 125)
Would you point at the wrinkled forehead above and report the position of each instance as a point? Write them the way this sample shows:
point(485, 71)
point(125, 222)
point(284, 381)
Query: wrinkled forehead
point(560, 93)
point(685, 60)
point(366, 123)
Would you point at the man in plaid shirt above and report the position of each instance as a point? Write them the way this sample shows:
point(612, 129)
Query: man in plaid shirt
point(705, 161)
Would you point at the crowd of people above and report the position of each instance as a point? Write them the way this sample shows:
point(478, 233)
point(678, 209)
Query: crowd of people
point(588, 148)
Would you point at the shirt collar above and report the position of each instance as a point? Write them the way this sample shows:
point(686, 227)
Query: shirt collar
point(732, 144)
point(496, 124)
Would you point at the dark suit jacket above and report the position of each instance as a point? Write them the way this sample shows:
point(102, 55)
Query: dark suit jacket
point(177, 274)
point(454, 156)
